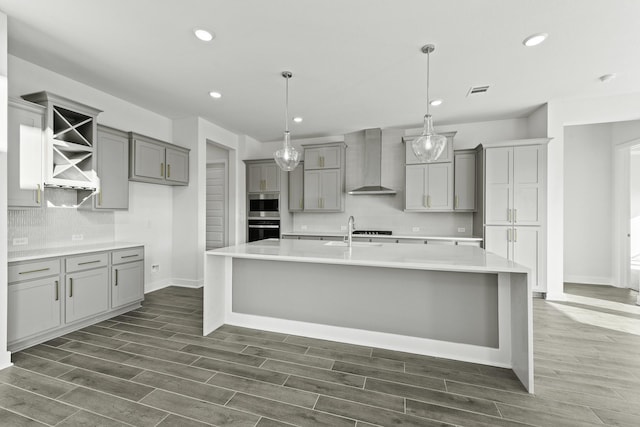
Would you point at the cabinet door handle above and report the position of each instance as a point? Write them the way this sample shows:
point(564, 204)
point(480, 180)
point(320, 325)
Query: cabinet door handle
point(100, 198)
point(57, 290)
point(34, 271)
point(70, 288)
point(508, 215)
point(429, 201)
point(508, 234)
point(515, 215)
point(455, 203)
point(515, 234)
point(38, 193)
point(89, 262)
point(116, 283)
point(301, 206)
point(129, 256)
point(168, 170)
point(162, 169)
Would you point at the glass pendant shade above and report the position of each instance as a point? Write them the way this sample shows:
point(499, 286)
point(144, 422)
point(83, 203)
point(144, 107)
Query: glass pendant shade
point(429, 146)
point(287, 157)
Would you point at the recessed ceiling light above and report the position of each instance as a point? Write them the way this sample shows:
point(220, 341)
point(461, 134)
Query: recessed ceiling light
point(535, 39)
point(297, 119)
point(215, 95)
point(607, 77)
point(203, 35)
point(436, 102)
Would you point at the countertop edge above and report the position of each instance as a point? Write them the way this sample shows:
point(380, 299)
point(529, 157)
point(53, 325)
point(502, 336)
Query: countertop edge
point(381, 236)
point(36, 254)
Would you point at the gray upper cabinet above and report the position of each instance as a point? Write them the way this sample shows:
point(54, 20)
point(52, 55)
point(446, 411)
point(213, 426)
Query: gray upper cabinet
point(263, 176)
point(112, 166)
point(177, 165)
point(21, 113)
point(296, 189)
point(464, 187)
point(324, 177)
point(70, 129)
point(157, 162)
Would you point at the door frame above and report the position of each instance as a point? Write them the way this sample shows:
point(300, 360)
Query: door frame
point(621, 256)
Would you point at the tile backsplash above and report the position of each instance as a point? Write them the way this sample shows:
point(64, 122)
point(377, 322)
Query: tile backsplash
point(59, 223)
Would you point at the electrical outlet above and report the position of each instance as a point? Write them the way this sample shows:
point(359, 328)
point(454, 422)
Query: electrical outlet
point(461, 229)
point(19, 241)
point(155, 268)
point(343, 228)
point(303, 227)
point(77, 237)
point(415, 229)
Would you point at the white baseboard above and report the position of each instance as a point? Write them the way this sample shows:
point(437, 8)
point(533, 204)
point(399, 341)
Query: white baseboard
point(556, 296)
point(589, 280)
point(5, 360)
point(183, 283)
point(187, 283)
point(157, 285)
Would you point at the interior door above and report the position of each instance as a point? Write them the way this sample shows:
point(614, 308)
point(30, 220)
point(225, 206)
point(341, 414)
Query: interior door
point(216, 205)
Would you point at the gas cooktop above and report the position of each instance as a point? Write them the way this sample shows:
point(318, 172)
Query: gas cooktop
point(373, 232)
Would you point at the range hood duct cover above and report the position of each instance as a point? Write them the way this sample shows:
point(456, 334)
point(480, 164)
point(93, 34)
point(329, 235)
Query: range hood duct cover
point(372, 166)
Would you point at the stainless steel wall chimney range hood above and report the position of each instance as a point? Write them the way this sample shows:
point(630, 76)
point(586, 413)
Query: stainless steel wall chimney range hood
point(372, 166)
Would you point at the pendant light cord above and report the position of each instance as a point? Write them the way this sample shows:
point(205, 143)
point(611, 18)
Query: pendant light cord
point(286, 106)
point(428, 68)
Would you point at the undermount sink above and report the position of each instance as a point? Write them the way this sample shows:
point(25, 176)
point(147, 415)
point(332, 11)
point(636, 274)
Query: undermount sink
point(344, 244)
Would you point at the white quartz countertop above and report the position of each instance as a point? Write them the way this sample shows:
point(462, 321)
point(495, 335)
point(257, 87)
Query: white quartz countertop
point(33, 254)
point(379, 236)
point(394, 255)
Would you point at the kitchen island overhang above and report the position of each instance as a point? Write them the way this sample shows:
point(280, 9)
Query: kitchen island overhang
point(456, 302)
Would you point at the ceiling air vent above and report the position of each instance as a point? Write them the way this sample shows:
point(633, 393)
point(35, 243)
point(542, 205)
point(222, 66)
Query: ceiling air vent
point(475, 90)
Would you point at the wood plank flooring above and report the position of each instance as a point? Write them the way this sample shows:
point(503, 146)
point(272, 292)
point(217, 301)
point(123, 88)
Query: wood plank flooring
point(151, 367)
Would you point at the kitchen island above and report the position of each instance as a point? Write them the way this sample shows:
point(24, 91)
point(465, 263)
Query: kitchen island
point(457, 302)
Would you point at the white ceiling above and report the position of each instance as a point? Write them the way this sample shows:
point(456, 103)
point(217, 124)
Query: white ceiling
point(356, 63)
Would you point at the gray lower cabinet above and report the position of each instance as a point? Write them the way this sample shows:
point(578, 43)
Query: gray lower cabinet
point(87, 294)
point(34, 307)
point(127, 272)
point(157, 162)
point(52, 296)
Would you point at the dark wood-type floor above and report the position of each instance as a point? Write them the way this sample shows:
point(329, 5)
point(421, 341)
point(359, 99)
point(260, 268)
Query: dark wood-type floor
point(151, 367)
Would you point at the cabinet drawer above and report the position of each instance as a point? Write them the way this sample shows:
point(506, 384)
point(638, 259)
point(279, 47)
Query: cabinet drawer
point(33, 270)
point(85, 262)
point(127, 255)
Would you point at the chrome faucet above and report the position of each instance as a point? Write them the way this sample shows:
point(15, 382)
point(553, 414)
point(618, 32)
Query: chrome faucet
point(351, 225)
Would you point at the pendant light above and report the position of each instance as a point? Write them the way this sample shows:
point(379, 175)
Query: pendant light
point(287, 157)
point(428, 146)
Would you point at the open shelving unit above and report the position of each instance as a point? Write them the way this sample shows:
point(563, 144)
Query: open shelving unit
point(71, 131)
